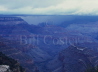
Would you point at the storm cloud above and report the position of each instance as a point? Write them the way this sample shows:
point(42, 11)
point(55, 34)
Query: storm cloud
point(49, 7)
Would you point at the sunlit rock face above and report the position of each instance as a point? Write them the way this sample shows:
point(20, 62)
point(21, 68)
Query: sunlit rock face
point(8, 64)
point(5, 68)
point(11, 21)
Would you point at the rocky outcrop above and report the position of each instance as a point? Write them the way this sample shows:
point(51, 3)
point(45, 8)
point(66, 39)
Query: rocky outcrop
point(5, 68)
point(9, 65)
point(11, 21)
point(77, 58)
point(11, 49)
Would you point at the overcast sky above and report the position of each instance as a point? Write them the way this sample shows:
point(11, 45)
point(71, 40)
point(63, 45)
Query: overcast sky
point(49, 7)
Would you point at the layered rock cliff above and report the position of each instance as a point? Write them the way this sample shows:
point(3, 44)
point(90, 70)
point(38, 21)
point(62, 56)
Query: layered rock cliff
point(11, 21)
point(76, 58)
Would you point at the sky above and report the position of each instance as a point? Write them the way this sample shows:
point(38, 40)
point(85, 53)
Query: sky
point(49, 7)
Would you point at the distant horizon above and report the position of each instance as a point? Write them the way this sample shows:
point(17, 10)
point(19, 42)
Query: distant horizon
point(46, 15)
point(54, 19)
